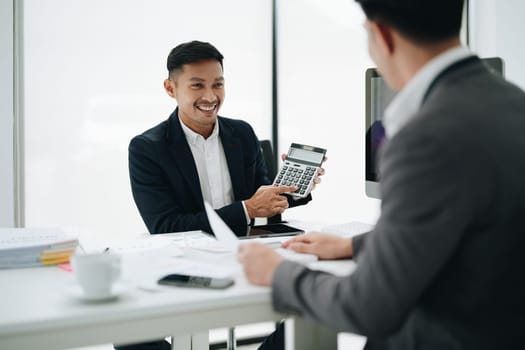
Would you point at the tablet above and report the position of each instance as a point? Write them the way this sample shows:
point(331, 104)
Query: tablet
point(272, 230)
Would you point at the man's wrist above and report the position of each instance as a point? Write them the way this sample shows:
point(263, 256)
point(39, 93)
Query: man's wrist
point(246, 213)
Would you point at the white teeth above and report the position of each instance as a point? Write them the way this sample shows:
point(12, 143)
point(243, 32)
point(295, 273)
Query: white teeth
point(207, 108)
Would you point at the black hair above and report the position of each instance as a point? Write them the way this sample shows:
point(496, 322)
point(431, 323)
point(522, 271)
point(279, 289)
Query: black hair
point(423, 21)
point(190, 52)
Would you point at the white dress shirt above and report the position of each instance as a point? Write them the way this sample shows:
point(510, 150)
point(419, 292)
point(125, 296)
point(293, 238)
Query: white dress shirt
point(212, 168)
point(408, 101)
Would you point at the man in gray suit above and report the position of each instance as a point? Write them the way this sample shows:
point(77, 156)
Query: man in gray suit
point(443, 267)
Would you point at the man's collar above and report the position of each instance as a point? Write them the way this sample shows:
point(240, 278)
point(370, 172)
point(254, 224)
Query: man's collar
point(408, 101)
point(192, 136)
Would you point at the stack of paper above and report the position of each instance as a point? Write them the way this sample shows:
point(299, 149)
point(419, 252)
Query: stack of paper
point(24, 247)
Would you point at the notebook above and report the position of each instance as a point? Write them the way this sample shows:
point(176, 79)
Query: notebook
point(228, 239)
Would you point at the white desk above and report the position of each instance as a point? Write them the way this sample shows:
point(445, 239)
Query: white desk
point(36, 312)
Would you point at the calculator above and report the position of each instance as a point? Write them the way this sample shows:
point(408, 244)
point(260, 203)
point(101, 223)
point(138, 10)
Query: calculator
point(300, 168)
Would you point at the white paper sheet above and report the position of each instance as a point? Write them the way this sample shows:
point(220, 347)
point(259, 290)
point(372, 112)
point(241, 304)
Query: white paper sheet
point(222, 232)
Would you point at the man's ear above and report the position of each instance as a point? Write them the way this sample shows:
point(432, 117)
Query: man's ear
point(385, 36)
point(169, 86)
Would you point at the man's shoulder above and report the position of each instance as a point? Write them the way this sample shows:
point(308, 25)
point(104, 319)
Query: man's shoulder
point(155, 134)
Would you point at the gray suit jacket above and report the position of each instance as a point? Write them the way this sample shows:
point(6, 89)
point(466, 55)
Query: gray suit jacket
point(444, 268)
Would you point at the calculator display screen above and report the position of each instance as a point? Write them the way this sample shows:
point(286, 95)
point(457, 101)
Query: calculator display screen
point(308, 156)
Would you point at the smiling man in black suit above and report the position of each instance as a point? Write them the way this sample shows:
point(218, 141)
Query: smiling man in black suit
point(196, 155)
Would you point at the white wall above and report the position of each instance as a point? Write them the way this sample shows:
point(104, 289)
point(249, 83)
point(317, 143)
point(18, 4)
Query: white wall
point(6, 115)
point(498, 30)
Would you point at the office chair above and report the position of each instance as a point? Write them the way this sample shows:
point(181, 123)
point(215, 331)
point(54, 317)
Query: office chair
point(269, 158)
point(271, 165)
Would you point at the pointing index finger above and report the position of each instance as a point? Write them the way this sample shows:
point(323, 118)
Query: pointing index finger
point(285, 189)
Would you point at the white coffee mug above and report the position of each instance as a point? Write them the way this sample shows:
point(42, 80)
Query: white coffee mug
point(96, 273)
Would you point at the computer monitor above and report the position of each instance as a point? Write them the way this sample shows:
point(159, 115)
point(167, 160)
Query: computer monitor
point(378, 96)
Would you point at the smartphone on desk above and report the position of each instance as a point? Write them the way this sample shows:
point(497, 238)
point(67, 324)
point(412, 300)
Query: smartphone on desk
point(300, 168)
point(181, 280)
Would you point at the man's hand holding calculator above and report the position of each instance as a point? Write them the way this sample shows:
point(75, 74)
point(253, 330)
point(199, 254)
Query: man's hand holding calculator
point(301, 168)
point(320, 172)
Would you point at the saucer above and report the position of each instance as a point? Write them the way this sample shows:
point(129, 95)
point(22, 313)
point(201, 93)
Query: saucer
point(76, 292)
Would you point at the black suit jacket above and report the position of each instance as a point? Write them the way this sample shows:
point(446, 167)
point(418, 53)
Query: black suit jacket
point(165, 183)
